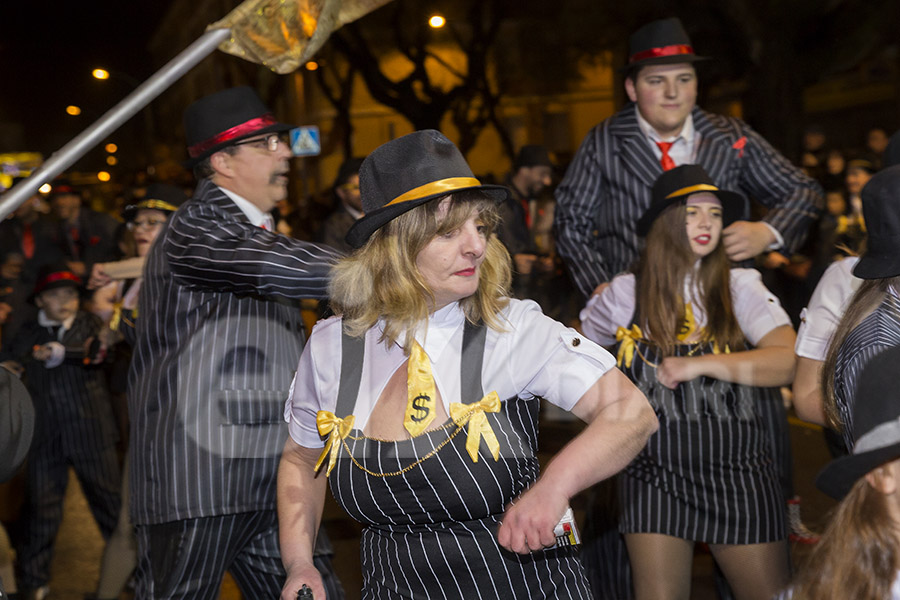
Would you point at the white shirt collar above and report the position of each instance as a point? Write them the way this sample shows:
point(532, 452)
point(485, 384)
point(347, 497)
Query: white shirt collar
point(687, 130)
point(250, 210)
point(435, 334)
point(45, 321)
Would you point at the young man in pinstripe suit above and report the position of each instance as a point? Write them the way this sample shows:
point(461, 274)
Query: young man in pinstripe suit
point(607, 186)
point(218, 338)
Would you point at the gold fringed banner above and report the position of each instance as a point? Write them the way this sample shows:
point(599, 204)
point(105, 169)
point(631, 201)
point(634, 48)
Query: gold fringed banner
point(284, 34)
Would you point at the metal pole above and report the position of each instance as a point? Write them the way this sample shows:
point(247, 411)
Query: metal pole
point(113, 119)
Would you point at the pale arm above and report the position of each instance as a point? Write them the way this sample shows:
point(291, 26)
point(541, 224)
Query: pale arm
point(770, 364)
point(301, 495)
point(807, 394)
point(619, 422)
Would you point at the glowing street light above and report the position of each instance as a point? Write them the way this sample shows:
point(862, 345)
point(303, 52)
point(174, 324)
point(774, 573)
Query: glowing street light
point(112, 160)
point(103, 176)
point(100, 74)
point(312, 65)
point(45, 189)
point(111, 148)
point(437, 21)
point(73, 110)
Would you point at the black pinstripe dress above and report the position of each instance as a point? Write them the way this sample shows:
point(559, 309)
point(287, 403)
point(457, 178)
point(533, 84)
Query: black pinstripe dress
point(431, 531)
point(707, 474)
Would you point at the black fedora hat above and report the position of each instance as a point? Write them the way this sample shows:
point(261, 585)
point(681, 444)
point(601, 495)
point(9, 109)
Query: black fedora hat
point(876, 426)
point(881, 210)
point(660, 42)
point(55, 276)
point(675, 185)
point(407, 172)
point(164, 197)
point(221, 119)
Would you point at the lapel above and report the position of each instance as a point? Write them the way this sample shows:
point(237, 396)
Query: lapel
point(714, 146)
point(635, 154)
point(213, 195)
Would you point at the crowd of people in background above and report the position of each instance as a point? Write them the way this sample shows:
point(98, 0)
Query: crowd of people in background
point(72, 279)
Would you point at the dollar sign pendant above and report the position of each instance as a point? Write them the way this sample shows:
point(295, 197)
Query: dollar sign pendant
point(420, 405)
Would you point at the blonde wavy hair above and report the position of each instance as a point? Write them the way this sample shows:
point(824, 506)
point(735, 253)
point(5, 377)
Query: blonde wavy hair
point(381, 280)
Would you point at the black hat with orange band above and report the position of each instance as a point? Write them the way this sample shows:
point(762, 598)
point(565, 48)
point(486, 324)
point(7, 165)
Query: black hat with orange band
point(407, 172)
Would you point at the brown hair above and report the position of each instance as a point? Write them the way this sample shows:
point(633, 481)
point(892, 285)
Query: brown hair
point(666, 262)
point(381, 279)
point(869, 295)
point(857, 554)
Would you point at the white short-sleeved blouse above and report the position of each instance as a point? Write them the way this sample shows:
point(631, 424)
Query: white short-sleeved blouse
point(534, 356)
point(756, 309)
point(820, 318)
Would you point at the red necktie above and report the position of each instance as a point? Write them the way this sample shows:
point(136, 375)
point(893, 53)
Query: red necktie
point(28, 241)
point(666, 160)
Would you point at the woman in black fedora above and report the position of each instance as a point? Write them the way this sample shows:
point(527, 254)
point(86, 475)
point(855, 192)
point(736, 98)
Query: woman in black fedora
point(424, 392)
point(859, 553)
point(871, 321)
point(708, 345)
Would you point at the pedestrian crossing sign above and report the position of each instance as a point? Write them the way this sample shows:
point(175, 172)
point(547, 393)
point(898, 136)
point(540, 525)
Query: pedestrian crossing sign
point(305, 141)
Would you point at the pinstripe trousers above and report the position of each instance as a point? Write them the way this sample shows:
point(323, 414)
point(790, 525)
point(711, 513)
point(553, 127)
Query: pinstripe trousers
point(187, 559)
point(47, 479)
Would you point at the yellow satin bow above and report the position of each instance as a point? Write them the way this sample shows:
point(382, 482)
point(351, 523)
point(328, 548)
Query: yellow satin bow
point(473, 414)
point(626, 339)
point(336, 429)
point(116, 316)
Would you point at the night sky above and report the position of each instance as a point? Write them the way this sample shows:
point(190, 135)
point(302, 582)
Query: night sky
point(48, 50)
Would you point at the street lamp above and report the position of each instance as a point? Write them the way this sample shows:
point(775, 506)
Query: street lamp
point(100, 74)
point(437, 21)
point(73, 110)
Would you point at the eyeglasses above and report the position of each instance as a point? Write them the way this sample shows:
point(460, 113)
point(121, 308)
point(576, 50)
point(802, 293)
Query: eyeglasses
point(270, 142)
point(145, 223)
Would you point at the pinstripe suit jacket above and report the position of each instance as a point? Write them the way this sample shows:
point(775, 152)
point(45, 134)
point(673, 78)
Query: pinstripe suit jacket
point(607, 186)
point(218, 340)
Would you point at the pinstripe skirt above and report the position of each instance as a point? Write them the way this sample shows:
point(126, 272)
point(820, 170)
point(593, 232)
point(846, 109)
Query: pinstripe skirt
point(431, 530)
point(708, 473)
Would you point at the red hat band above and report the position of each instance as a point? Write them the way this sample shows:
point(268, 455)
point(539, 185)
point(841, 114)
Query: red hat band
point(673, 50)
point(236, 132)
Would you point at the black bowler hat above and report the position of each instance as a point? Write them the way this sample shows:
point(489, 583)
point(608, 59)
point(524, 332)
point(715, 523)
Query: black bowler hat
point(661, 42)
point(876, 426)
point(159, 196)
point(881, 210)
point(54, 276)
point(407, 172)
point(221, 119)
point(675, 185)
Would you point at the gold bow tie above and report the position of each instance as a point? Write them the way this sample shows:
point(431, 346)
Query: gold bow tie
point(473, 414)
point(336, 429)
point(626, 339)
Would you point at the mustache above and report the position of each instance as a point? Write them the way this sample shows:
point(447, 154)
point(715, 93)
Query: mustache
point(273, 179)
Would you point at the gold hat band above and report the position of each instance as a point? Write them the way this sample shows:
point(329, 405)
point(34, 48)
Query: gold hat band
point(435, 187)
point(700, 187)
point(156, 205)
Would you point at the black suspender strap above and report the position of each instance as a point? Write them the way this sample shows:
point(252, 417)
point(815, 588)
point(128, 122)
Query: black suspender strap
point(471, 360)
point(353, 350)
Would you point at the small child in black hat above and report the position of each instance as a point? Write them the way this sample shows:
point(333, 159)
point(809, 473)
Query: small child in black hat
point(74, 420)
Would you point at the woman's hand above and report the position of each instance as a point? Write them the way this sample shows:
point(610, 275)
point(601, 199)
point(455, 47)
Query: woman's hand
point(529, 521)
point(675, 369)
point(99, 278)
point(298, 576)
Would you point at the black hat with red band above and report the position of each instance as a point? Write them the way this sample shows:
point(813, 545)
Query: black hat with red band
point(221, 119)
point(662, 42)
point(55, 276)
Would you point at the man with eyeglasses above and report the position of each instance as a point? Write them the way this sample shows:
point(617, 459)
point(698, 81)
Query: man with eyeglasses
point(218, 337)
